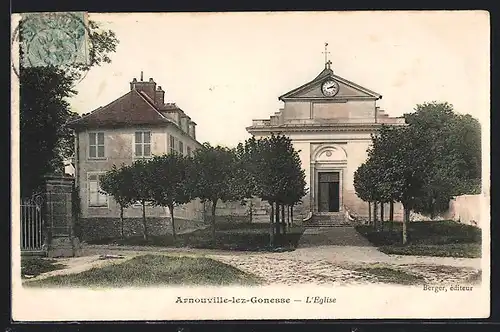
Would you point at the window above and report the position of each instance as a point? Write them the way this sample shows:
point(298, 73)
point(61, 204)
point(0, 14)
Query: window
point(142, 144)
point(96, 145)
point(181, 147)
point(172, 144)
point(188, 151)
point(96, 197)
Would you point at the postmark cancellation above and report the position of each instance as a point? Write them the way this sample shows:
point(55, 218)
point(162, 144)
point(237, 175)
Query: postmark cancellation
point(57, 39)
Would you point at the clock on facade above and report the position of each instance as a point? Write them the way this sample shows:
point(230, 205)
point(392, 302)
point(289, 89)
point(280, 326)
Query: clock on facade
point(330, 88)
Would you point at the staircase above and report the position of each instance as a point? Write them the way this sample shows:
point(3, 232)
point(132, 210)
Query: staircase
point(328, 220)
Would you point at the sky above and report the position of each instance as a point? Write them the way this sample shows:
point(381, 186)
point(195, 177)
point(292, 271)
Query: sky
point(225, 69)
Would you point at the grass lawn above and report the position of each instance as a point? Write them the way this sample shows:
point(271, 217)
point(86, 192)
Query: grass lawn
point(392, 275)
point(33, 266)
point(475, 278)
point(427, 238)
point(153, 270)
point(230, 236)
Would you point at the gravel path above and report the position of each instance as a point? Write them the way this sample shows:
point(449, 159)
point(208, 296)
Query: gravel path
point(337, 256)
point(291, 271)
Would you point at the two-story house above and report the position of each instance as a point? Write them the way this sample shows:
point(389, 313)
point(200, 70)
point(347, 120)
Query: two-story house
point(139, 124)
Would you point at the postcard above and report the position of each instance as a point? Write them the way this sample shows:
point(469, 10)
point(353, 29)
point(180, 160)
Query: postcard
point(244, 166)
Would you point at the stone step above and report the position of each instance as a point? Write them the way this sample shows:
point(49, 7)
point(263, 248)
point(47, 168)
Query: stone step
point(328, 220)
point(327, 226)
point(330, 223)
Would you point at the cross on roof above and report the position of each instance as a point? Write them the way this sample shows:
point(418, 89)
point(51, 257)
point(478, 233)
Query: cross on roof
point(326, 54)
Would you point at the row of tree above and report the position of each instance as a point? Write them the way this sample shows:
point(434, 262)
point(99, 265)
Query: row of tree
point(423, 164)
point(268, 168)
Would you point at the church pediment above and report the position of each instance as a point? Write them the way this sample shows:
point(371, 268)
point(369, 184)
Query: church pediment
point(346, 89)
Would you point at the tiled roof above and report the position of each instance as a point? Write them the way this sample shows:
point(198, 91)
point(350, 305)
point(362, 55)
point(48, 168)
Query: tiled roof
point(133, 108)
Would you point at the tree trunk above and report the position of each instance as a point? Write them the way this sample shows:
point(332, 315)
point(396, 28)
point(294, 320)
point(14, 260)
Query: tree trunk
point(271, 225)
point(369, 213)
point(288, 215)
point(251, 211)
point(382, 212)
point(214, 205)
point(122, 233)
point(406, 218)
point(144, 224)
point(291, 215)
point(375, 221)
point(277, 221)
point(171, 208)
point(391, 211)
point(432, 206)
point(283, 220)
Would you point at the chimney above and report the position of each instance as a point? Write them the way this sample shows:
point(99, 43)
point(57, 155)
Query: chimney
point(160, 96)
point(148, 87)
point(132, 84)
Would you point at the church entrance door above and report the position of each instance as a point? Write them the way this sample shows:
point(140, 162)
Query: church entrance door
point(328, 192)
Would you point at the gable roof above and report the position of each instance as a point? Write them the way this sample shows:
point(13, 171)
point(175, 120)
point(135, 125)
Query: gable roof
point(328, 73)
point(133, 108)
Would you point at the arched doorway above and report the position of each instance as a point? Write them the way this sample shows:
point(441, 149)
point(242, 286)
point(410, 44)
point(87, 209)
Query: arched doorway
point(327, 169)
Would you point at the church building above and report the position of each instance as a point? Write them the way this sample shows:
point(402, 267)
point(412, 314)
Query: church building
point(329, 120)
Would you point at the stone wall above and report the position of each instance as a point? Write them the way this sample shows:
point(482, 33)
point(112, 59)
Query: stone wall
point(237, 212)
point(88, 229)
point(466, 209)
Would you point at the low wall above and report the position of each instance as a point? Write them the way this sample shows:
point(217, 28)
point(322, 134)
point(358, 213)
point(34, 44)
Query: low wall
point(88, 229)
point(466, 209)
point(260, 210)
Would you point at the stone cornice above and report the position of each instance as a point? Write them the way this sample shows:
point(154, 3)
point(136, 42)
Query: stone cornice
point(338, 99)
point(319, 127)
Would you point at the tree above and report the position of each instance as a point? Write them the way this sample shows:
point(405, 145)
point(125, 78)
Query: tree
point(364, 184)
point(117, 183)
point(295, 184)
point(275, 175)
point(43, 112)
point(257, 156)
point(245, 184)
point(45, 141)
point(424, 164)
point(407, 163)
point(397, 164)
point(169, 184)
point(141, 179)
point(213, 177)
point(454, 141)
point(370, 184)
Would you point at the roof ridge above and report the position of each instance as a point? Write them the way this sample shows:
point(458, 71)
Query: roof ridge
point(150, 102)
point(325, 73)
point(100, 108)
point(358, 86)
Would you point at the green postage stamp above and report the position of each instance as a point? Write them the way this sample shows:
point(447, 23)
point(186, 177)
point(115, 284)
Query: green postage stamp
point(57, 39)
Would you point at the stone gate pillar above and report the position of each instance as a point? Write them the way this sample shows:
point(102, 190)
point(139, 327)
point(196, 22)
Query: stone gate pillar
point(59, 219)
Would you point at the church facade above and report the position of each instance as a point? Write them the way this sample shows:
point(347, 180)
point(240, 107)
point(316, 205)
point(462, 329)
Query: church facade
point(330, 121)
